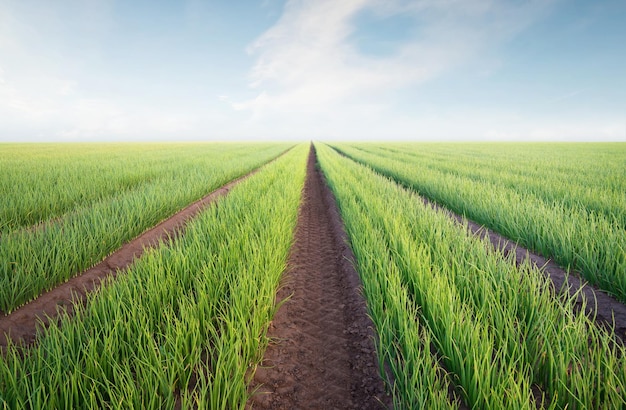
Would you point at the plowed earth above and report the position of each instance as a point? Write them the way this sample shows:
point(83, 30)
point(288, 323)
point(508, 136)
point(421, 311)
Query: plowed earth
point(322, 355)
point(599, 305)
point(21, 325)
point(602, 307)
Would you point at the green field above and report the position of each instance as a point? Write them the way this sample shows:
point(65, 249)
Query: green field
point(564, 201)
point(505, 339)
point(65, 207)
point(456, 321)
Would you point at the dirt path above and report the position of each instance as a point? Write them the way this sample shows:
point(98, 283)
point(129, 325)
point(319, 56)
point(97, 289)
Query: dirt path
point(323, 356)
point(21, 325)
point(608, 311)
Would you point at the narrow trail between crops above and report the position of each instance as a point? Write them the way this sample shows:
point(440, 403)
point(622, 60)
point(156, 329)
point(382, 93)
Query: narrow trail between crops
point(322, 355)
point(599, 305)
point(21, 325)
point(608, 311)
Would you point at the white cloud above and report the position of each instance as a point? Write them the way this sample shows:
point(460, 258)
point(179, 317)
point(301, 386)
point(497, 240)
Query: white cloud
point(307, 63)
point(581, 131)
point(103, 119)
point(80, 119)
point(46, 93)
point(566, 96)
point(310, 77)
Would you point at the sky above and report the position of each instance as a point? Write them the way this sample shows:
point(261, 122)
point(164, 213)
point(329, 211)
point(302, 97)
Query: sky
point(354, 70)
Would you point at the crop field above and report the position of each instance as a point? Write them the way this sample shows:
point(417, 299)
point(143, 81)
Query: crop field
point(325, 276)
point(62, 210)
point(567, 202)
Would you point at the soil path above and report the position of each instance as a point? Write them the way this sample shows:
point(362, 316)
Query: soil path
point(599, 305)
point(608, 311)
point(323, 356)
point(21, 325)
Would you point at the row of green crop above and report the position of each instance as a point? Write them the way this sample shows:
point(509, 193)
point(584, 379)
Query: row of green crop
point(35, 260)
point(185, 324)
point(573, 236)
point(39, 182)
point(568, 174)
point(506, 340)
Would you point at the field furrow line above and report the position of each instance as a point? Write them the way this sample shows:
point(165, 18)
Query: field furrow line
point(504, 334)
point(21, 325)
point(323, 355)
point(599, 305)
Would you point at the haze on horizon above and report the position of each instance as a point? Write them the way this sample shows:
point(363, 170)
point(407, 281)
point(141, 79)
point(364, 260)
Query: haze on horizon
point(142, 70)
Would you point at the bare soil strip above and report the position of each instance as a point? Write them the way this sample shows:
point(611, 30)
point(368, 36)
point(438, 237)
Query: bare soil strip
point(323, 356)
point(608, 311)
point(599, 305)
point(21, 325)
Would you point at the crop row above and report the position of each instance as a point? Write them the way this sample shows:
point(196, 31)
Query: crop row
point(456, 320)
point(184, 324)
point(44, 181)
point(500, 336)
point(574, 235)
point(565, 173)
point(37, 259)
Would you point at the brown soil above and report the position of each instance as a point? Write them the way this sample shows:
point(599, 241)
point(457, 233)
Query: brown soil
point(323, 354)
point(21, 325)
point(608, 311)
point(602, 307)
point(599, 305)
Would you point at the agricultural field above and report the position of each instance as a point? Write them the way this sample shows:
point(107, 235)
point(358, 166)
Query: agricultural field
point(564, 201)
point(503, 338)
point(65, 207)
point(329, 276)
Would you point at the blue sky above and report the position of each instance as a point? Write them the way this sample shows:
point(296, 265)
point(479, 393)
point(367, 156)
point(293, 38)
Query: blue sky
point(140, 70)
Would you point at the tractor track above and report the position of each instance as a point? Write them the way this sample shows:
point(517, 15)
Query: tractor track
point(21, 325)
point(600, 306)
point(323, 354)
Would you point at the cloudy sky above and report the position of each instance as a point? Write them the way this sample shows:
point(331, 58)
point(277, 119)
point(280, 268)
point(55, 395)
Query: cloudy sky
point(92, 70)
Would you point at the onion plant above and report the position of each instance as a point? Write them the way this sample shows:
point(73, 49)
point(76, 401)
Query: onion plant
point(506, 339)
point(185, 326)
point(90, 226)
point(570, 228)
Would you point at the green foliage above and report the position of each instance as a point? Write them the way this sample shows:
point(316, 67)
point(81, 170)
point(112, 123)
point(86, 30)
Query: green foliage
point(185, 324)
point(507, 340)
point(65, 208)
point(565, 201)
